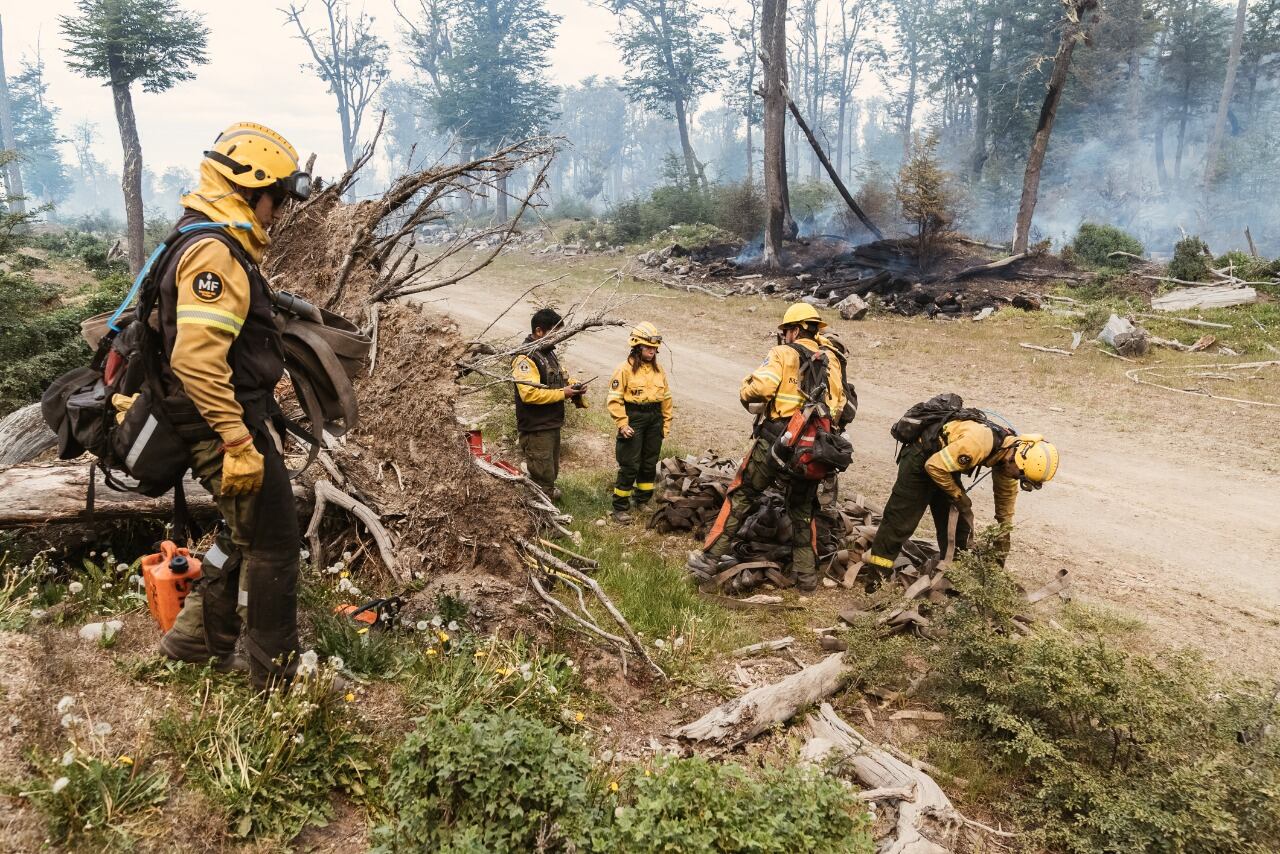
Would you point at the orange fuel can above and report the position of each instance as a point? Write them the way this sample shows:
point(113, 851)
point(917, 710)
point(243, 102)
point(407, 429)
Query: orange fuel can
point(168, 578)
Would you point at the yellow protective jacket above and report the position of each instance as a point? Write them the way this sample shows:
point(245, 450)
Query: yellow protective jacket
point(966, 445)
point(777, 382)
point(213, 301)
point(646, 384)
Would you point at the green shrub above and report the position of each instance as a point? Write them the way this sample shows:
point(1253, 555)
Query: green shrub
point(92, 803)
point(272, 766)
point(1191, 260)
point(457, 671)
point(371, 653)
point(1105, 749)
point(693, 805)
point(810, 198)
point(739, 209)
point(491, 781)
point(94, 585)
point(1094, 243)
point(571, 207)
point(40, 334)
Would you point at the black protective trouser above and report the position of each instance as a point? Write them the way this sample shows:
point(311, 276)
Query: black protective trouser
point(801, 499)
point(251, 573)
point(913, 493)
point(638, 456)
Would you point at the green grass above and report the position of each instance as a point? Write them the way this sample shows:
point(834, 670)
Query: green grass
point(652, 589)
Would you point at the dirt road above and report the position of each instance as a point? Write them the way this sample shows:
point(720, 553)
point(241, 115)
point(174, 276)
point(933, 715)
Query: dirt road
point(1155, 518)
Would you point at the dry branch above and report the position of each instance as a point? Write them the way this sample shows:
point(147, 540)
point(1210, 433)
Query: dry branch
point(927, 823)
point(743, 718)
point(1134, 375)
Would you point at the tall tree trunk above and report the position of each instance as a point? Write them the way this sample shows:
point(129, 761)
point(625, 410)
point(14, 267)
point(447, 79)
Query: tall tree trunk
point(773, 57)
point(13, 175)
point(1071, 33)
point(750, 152)
point(982, 99)
point(686, 145)
point(500, 204)
point(131, 174)
point(1224, 103)
point(908, 112)
point(1182, 141)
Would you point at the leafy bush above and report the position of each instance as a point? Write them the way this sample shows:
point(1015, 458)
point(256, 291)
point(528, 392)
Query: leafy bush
point(693, 805)
point(1093, 244)
point(739, 209)
point(90, 802)
point(371, 653)
point(1248, 267)
point(925, 198)
point(810, 198)
point(736, 209)
point(40, 334)
point(1191, 260)
point(1105, 749)
point(272, 766)
point(458, 671)
point(491, 781)
point(96, 584)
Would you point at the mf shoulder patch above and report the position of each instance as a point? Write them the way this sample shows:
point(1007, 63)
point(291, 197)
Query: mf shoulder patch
point(965, 460)
point(207, 286)
point(523, 366)
point(616, 384)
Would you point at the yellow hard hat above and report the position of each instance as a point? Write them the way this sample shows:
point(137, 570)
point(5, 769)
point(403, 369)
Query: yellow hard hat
point(645, 334)
point(800, 313)
point(1036, 459)
point(253, 155)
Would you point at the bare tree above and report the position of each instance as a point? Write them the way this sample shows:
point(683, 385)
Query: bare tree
point(350, 58)
point(773, 58)
point(1075, 28)
point(13, 175)
point(1224, 103)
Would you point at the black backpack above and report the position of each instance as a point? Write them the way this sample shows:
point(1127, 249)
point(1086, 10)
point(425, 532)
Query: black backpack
point(922, 424)
point(149, 444)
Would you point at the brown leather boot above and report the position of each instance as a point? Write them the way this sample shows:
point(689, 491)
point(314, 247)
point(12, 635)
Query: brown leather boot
point(182, 647)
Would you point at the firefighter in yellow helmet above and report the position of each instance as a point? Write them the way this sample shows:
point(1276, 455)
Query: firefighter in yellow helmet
point(640, 404)
point(776, 387)
point(929, 478)
point(222, 358)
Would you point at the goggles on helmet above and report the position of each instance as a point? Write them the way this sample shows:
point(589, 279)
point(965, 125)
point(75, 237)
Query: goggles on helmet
point(1029, 485)
point(649, 340)
point(297, 185)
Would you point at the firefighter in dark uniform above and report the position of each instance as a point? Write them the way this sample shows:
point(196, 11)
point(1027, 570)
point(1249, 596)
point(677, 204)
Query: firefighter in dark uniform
point(929, 472)
point(640, 405)
point(541, 388)
point(776, 384)
point(224, 355)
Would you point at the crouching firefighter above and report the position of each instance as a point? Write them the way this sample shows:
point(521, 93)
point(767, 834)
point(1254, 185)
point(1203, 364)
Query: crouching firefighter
point(794, 446)
point(222, 351)
point(941, 442)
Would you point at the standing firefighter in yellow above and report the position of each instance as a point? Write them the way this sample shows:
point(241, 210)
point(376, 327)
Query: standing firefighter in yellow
point(640, 404)
point(801, 392)
point(224, 354)
point(941, 441)
point(541, 388)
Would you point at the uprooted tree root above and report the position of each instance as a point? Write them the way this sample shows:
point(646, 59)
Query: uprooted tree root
point(432, 512)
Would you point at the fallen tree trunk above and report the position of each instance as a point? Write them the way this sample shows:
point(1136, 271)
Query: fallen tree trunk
point(24, 436)
point(991, 267)
point(927, 823)
point(831, 171)
point(1213, 296)
point(743, 718)
point(50, 498)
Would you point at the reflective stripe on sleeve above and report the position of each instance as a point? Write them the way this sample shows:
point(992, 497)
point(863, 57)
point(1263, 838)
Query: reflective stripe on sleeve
point(876, 560)
point(767, 375)
point(202, 315)
point(644, 487)
point(622, 493)
point(948, 461)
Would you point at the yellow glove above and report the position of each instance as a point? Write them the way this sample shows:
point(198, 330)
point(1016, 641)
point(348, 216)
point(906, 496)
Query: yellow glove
point(122, 402)
point(242, 467)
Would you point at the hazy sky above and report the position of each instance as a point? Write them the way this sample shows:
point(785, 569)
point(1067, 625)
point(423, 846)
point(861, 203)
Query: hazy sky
point(253, 74)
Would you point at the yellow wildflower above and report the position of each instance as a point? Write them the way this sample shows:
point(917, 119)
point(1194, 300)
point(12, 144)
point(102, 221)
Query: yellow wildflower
point(125, 759)
point(350, 697)
point(613, 786)
point(579, 717)
point(431, 650)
